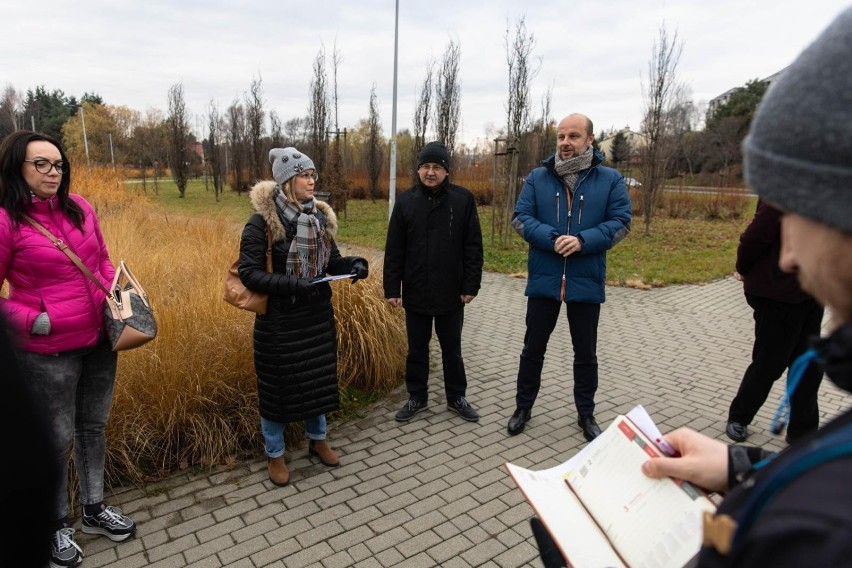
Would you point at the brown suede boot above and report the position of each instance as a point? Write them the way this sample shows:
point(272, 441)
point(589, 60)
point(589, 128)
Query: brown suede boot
point(323, 451)
point(278, 472)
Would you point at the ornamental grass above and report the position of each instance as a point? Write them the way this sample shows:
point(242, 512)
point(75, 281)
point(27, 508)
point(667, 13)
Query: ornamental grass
point(189, 398)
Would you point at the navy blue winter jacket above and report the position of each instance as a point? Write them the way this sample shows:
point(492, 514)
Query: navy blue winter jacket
point(600, 216)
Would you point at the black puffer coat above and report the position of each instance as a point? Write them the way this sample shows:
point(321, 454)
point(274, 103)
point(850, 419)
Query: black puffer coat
point(295, 342)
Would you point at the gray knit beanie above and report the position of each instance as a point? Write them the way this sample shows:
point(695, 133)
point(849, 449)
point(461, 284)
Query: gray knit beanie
point(798, 154)
point(287, 162)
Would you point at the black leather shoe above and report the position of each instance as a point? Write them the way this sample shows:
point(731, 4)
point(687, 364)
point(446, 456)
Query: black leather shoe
point(736, 431)
point(519, 420)
point(590, 427)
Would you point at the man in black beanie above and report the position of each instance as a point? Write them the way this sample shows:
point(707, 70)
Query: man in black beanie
point(432, 268)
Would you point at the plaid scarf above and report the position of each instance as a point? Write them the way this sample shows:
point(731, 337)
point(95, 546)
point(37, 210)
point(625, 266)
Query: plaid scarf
point(309, 250)
point(569, 168)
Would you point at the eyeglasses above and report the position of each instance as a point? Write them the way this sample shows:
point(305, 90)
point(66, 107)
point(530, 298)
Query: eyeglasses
point(44, 166)
point(308, 175)
point(434, 168)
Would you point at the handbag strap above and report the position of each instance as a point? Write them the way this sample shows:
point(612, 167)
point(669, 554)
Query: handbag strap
point(268, 250)
point(64, 248)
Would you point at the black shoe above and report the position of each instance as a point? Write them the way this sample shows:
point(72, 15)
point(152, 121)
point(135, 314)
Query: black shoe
point(463, 408)
point(736, 431)
point(110, 523)
point(411, 408)
point(590, 427)
point(519, 420)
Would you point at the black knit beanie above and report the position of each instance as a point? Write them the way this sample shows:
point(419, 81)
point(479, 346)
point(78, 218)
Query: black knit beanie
point(434, 153)
point(798, 154)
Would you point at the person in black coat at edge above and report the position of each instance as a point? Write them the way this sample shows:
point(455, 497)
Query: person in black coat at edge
point(433, 268)
point(786, 319)
point(793, 508)
point(29, 479)
point(295, 342)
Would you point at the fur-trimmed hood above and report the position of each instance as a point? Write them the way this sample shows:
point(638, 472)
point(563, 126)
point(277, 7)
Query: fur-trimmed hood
point(261, 200)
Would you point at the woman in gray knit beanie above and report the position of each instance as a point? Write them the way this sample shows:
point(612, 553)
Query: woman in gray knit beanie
point(295, 341)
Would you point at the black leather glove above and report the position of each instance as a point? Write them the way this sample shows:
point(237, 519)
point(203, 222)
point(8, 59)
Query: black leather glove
point(551, 557)
point(360, 269)
point(303, 288)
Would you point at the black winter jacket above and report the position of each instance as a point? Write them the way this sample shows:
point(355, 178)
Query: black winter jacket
point(433, 253)
point(295, 342)
point(809, 521)
point(757, 259)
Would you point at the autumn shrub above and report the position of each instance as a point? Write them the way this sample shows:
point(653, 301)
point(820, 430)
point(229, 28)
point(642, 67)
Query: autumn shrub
point(189, 397)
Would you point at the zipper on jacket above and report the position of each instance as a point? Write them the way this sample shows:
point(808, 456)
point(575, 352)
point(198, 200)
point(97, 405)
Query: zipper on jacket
point(580, 216)
point(557, 207)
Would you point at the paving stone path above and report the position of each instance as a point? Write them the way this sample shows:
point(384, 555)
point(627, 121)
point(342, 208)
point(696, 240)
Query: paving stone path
point(433, 492)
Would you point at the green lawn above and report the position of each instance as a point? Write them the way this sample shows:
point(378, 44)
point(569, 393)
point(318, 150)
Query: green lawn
point(678, 251)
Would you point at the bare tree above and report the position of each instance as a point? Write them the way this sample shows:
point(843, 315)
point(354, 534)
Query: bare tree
point(254, 124)
point(296, 131)
point(214, 147)
point(422, 113)
point(336, 181)
point(547, 126)
point(179, 131)
point(660, 92)
point(11, 106)
point(374, 156)
point(276, 130)
point(236, 126)
point(448, 97)
point(318, 116)
point(519, 106)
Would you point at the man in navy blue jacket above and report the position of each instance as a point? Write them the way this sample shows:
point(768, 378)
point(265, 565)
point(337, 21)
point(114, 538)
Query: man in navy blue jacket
point(571, 211)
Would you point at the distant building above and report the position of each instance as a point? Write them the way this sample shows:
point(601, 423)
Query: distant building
point(720, 100)
point(636, 140)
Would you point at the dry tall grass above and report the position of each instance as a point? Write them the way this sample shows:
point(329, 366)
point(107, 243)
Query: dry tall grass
point(189, 398)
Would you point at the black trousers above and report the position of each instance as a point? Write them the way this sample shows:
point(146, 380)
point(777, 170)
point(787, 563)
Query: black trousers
point(448, 328)
point(542, 314)
point(781, 333)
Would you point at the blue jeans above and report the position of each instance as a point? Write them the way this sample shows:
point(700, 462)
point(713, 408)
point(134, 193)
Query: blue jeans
point(74, 389)
point(273, 433)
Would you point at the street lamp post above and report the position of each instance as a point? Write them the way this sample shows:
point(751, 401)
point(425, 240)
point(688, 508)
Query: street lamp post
point(392, 184)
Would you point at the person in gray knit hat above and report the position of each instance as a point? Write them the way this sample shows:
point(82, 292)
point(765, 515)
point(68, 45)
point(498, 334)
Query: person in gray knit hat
point(295, 341)
point(793, 508)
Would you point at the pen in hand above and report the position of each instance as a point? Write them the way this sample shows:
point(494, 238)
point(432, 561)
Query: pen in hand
point(667, 448)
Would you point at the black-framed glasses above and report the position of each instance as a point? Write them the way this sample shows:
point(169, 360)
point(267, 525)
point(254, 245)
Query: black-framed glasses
point(431, 168)
point(44, 166)
point(308, 175)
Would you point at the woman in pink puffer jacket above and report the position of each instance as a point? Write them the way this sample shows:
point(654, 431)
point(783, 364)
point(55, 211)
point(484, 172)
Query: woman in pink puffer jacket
point(56, 314)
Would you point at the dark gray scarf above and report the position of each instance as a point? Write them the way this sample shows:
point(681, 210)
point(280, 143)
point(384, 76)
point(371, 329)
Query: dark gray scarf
point(570, 168)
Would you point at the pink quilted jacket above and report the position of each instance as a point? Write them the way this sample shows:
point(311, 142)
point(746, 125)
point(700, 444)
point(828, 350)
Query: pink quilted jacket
point(43, 279)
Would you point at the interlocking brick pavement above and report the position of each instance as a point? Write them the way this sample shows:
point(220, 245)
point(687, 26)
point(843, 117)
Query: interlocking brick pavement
point(433, 492)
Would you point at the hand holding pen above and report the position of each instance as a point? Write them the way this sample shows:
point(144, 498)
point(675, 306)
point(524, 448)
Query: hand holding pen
point(703, 460)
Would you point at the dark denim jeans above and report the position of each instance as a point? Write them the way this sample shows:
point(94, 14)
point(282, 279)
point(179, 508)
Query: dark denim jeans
point(74, 389)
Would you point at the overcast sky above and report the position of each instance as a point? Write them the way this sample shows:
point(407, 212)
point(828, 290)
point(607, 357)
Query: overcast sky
point(593, 54)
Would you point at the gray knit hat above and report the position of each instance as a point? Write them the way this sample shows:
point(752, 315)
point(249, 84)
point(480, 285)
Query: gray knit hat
point(798, 154)
point(287, 162)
